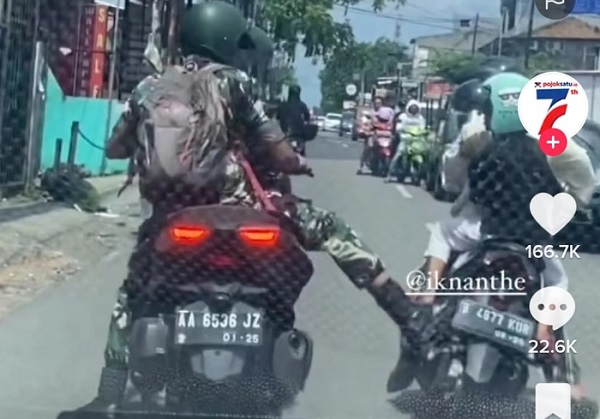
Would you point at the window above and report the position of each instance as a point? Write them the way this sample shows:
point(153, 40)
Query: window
point(556, 46)
point(535, 45)
point(591, 58)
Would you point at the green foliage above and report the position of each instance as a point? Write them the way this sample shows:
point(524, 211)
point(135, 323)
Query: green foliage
point(376, 59)
point(450, 65)
point(548, 61)
point(309, 22)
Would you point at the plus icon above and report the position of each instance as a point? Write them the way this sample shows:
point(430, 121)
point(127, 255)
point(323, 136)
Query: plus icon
point(553, 142)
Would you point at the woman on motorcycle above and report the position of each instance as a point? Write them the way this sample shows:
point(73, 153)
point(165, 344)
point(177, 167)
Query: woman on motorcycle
point(382, 120)
point(498, 201)
point(412, 118)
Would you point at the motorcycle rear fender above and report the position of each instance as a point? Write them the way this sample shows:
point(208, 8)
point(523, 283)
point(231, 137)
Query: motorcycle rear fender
point(482, 361)
point(292, 357)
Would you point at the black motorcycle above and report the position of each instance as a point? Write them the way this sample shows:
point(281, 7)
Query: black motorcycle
point(213, 323)
point(475, 362)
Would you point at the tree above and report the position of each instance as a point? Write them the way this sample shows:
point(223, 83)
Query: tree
point(374, 59)
point(454, 67)
point(309, 22)
point(451, 66)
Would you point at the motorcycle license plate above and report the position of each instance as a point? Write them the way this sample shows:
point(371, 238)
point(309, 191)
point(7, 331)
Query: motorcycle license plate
point(500, 327)
point(205, 328)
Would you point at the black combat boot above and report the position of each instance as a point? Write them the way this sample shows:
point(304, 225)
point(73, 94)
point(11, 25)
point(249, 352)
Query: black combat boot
point(404, 373)
point(111, 390)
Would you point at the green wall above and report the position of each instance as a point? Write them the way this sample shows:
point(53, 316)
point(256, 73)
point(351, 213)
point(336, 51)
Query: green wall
point(61, 111)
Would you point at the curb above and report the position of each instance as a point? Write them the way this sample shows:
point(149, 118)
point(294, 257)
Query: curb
point(18, 212)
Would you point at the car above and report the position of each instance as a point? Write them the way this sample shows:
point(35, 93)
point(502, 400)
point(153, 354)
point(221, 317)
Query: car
point(347, 124)
point(321, 122)
point(589, 139)
point(332, 122)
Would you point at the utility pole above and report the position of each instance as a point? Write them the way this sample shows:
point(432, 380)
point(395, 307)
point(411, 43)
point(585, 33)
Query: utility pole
point(529, 34)
point(501, 30)
point(475, 30)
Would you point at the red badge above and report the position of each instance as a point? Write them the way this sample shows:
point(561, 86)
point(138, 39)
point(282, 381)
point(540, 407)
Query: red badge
point(553, 142)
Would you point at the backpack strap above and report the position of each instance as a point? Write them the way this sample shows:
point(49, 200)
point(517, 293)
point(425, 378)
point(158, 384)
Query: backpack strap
point(256, 186)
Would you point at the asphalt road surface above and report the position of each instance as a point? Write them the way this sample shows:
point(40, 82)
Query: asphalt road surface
point(51, 350)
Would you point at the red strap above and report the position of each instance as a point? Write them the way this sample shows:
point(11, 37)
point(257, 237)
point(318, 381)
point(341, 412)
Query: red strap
point(258, 189)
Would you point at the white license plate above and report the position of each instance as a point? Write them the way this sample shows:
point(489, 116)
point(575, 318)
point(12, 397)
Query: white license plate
point(204, 328)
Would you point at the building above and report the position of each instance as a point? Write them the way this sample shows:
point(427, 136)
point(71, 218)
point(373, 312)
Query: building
point(575, 39)
point(467, 35)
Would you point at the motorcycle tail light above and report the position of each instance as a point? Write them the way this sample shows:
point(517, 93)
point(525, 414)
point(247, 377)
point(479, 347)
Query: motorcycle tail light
point(260, 236)
point(189, 234)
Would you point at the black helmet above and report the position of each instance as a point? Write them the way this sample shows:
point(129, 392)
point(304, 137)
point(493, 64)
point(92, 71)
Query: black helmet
point(470, 96)
point(215, 29)
point(294, 90)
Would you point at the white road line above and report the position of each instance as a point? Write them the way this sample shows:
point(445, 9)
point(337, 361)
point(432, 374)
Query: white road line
point(345, 145)
point(429, 226)
point(403, 191)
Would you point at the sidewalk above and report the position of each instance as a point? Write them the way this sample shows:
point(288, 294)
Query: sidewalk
point(18, 208)
point(36, 243)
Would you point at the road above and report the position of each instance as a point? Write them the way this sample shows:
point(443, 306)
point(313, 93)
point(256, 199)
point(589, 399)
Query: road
point(51, 350)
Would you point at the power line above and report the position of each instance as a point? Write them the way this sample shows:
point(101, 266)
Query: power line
point(424, 22)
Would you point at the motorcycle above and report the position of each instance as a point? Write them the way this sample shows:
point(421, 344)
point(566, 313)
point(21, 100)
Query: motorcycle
point(212, 313)
point(381, 150)
point(413, 163)
point(476, 352)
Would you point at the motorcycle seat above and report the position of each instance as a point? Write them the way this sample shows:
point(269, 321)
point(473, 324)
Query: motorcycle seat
point(498, 243)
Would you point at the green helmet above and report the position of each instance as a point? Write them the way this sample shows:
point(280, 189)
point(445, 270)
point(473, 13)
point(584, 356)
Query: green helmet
point(502, 105)
point(216, 29)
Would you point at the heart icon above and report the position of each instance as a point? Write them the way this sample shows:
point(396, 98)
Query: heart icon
point(553, 213)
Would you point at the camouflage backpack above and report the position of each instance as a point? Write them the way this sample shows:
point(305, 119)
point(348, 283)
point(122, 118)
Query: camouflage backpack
point(182, 131)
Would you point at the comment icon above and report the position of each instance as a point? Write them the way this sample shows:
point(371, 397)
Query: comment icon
point(552, 306)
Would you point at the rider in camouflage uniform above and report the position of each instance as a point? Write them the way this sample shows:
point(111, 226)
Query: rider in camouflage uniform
point(212, 30)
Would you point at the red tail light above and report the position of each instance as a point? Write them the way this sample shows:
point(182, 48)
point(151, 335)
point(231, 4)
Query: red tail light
point(260, 236)
point(190, 235)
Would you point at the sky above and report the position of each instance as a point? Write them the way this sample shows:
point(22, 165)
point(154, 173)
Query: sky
point(417, 19)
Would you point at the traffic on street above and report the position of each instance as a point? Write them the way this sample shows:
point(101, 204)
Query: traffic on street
point(60, 338)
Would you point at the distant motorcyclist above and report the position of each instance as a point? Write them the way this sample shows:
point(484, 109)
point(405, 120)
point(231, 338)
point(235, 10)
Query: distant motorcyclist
point(381, 120)
point(293, 116)
point(412, 118)
point(506, 169)
point(211, 33)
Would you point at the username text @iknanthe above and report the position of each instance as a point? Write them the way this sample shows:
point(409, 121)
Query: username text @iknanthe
point(421, 283)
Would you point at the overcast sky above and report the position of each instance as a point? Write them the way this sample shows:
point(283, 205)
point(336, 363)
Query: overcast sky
point(416, 21)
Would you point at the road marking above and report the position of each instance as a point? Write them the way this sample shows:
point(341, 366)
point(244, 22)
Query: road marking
point(403, 191)
point(111, 256)
point(345, 145)
point(429, 226)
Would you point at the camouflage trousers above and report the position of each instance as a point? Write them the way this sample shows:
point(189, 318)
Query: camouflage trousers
point(323, 230)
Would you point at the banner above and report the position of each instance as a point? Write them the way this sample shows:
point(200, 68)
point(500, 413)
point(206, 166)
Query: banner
point(100, 30)
point(84, 51)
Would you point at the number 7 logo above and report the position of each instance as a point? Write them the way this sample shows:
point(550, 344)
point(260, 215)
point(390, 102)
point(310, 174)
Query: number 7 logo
point(555, 95)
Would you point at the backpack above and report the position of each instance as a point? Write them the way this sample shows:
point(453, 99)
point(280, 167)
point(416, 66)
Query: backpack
point(504, 181)
point(182, 132)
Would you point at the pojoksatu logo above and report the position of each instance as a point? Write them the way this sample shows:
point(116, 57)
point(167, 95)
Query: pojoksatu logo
point(553, 101)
